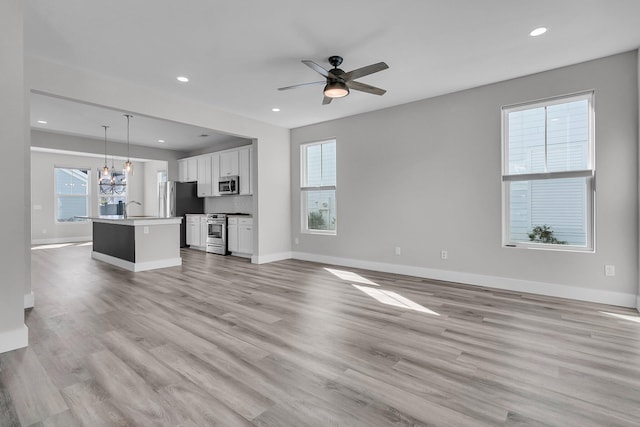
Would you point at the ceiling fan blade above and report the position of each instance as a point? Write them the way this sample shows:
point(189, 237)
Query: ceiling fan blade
point(364, 71)
point(317, 68)
point(326, 100)
point(362, 87)
point(302, 84)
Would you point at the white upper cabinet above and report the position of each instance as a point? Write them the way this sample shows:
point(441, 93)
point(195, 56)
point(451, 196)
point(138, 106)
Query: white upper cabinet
point(182, 170)
point(229, 163)
point(205, 187)
point(188, 169)
point(208, 168)
point(215, 174)
point(192, 169)
point(244, 170)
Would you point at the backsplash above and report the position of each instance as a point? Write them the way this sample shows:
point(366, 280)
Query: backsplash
point(229, 204)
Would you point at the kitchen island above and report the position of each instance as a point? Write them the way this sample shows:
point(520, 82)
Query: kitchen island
point(137, 243)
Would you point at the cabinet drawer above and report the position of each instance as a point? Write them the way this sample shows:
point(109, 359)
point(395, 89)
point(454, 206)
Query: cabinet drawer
point(245, 221)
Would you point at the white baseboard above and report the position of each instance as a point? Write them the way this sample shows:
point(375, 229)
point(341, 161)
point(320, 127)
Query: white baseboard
point(54, 240)
point(241, 255)
point(264, 259)
point(137, 266)
point(638, 303)
point(14, 339)
point(518, 285)
point(29, 300)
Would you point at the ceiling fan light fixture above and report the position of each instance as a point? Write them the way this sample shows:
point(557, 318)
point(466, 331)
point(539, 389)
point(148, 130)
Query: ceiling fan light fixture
point(336, 90)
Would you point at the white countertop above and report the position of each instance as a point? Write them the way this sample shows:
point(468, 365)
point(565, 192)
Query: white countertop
point(135, 220)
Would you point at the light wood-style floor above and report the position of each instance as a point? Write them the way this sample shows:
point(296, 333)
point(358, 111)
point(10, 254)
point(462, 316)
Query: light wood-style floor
point(219, 341)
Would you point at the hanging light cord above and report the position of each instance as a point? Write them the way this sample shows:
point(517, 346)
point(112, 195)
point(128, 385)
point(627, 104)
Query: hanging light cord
point(128, 165)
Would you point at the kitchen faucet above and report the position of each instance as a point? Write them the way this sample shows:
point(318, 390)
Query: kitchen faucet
point(127, 204)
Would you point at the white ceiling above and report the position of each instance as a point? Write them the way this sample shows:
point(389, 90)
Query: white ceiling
point(237, 53)
point(82, 119)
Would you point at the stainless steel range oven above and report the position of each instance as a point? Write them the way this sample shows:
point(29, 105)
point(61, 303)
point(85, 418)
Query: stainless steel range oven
point(217, 233)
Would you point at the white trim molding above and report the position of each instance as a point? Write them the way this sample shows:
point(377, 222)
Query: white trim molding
point(505, 283)
point(136, 266)
point(29, 300)
point(638, 303)
point(264, 259)
point(14, 339)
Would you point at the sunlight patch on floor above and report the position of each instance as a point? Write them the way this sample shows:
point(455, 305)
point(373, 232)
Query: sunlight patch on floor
point(393, 298)
point(623, 316)
point(51, 246)
point(59, 245)
point(350, 276)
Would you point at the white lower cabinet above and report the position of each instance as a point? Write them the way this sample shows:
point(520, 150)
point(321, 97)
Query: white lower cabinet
point(196, 231)
point(245, 235)
point(232, 234)
point(240, 235)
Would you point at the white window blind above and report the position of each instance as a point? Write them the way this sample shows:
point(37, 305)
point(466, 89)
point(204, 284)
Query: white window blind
point(548, 173)
point(318, 187)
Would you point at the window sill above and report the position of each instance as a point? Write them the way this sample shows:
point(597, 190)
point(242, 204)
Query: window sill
point(320, 232)
point(549, 247)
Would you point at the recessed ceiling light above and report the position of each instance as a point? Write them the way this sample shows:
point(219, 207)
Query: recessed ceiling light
point(42, 122)
point(161, 140)
point(275, 110)
point(538, 31)
point(182, 79)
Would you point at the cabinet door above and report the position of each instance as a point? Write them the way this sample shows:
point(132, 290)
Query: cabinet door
point(193, 231)
point(215, 174)
point(204, 176)
point(204, 231)
point(244, 160)
point(229, 163)
point(245, 238)
point(182, 170)
point(232, 235)
point(192, 169)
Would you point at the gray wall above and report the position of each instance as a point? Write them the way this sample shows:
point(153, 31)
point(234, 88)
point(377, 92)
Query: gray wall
point(78, 144)
point(425, 177)
point(15, 255)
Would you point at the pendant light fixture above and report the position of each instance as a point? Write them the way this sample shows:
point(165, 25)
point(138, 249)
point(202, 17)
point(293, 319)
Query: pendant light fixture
point(128, 165)
point(105, 169)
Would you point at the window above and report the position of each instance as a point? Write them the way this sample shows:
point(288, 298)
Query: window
point(318, 187)
point(112, 192)
point(72, 194)
point(548, 174)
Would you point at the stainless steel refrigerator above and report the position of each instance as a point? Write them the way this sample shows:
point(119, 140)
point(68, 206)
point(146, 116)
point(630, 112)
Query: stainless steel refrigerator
point(177, 199)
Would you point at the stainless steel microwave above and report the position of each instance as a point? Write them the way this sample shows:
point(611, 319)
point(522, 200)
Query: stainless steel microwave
point(228, 185)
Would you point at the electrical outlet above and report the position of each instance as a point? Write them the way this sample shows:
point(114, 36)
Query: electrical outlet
point(609, 270)
point(444, 254)
point(44, 231)
point(145, 230)
point(296, 240)
point(397, 250)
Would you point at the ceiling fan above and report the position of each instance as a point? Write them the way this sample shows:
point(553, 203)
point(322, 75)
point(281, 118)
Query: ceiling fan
point(338, 83)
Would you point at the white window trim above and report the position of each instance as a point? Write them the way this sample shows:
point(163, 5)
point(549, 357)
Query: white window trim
point(589, 174)
point(303, 189)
